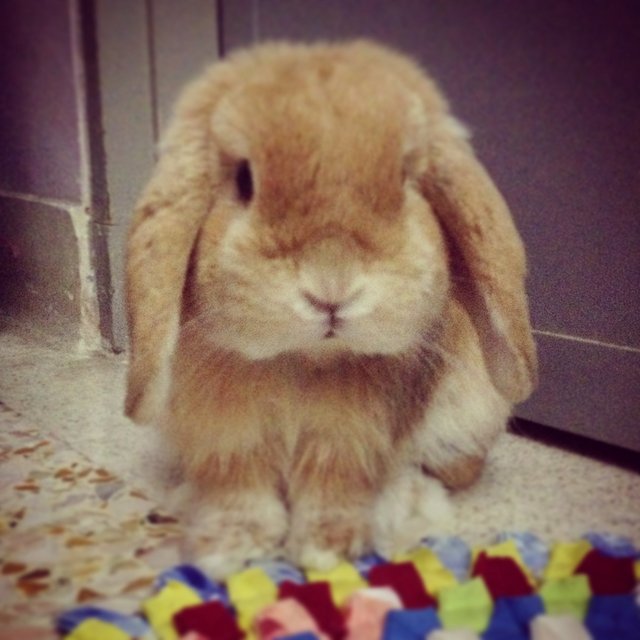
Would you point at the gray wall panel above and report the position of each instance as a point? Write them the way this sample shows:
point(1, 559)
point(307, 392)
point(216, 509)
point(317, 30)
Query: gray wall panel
point(39, 278)
point(587, 389)
point(185, 41)
point(38, 110)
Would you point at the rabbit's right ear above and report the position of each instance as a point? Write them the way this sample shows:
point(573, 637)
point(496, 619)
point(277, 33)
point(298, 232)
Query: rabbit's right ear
point(480, 226)
point(164, 228)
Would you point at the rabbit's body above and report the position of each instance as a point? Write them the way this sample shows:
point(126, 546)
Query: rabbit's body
point(342, 307)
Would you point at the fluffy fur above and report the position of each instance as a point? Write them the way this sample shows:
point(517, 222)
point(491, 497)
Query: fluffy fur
point(326, 301)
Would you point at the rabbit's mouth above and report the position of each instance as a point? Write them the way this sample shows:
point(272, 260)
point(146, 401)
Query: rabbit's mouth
point(334, 322)
point(331, 327)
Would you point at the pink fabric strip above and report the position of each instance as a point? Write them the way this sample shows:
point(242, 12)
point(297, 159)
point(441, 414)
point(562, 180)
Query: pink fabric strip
point(366, 611)
point(284, 618)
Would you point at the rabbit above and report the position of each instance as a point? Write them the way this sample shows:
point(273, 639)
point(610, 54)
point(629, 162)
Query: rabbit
point(326, 304)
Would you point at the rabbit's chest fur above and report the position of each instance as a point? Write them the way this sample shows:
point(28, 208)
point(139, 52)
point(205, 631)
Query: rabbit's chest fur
point(293, 406)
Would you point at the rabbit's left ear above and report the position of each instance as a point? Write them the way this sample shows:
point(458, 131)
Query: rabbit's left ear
point(478, 222)
point(165, 226)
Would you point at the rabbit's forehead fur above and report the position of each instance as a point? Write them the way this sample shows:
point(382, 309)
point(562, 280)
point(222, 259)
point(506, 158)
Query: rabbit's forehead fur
point(336, 217)
point(329, 132)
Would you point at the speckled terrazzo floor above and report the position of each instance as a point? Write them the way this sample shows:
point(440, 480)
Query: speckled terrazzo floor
point(72, 532)
point(81, 517)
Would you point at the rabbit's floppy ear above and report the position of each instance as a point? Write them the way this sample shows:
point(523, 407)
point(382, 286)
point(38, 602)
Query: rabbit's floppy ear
point(165, 225)
point(479, 224)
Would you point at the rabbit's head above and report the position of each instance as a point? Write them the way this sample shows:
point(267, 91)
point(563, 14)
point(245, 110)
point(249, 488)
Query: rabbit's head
point(314, 200)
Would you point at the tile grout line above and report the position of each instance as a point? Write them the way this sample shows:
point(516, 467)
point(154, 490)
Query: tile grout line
point(590, 341)
point(49, 202)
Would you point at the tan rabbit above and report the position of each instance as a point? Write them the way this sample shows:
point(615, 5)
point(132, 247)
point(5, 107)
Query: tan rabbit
point(326, 303)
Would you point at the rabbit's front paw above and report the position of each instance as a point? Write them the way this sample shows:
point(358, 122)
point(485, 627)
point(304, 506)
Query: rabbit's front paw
point(320, 537)
point(411, 506)
point(223, 536)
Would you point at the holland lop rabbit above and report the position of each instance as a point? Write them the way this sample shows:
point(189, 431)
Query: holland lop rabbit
point(326, 304)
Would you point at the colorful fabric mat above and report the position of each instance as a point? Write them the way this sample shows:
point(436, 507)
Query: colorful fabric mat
point(517, 588)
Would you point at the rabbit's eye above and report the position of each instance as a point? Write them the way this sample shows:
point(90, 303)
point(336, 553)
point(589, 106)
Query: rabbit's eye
point(244, 182)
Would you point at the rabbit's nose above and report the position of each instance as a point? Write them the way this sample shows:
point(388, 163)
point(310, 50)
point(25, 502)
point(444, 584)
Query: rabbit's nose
point(322, 305)
point(331, 309)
